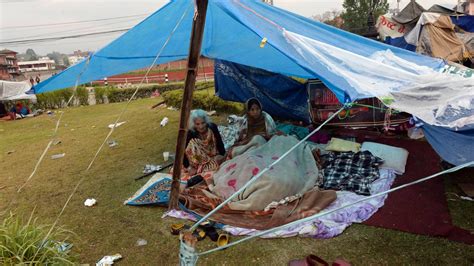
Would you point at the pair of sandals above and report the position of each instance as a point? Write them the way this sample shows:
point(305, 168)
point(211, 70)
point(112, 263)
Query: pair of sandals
point(204, 229)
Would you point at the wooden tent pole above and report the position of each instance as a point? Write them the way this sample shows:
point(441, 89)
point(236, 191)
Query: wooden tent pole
point(192, 71)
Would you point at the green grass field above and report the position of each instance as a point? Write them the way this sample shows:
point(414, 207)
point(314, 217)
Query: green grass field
point(111, 227)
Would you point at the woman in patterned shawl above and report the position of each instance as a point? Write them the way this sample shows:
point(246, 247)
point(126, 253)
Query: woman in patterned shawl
point(204, 147)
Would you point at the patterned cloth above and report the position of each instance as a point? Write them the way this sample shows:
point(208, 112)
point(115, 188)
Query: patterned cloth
point(201, 153)
point(229, 134)
point(350, 171)
point(155, 191)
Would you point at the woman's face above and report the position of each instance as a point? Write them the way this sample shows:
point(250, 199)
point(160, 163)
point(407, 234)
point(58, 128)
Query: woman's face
point(254, 111)
point(200, 125)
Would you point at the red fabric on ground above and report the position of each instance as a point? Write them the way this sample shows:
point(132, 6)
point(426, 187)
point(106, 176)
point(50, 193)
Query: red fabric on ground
point(421, 208)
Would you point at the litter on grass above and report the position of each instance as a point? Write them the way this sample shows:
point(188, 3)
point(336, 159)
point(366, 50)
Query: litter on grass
point(64, 247)
point(117, 124)
point(151, 168)
point(90, 202)
point(141, 242)
point(112, 143)
point(108, 260)
point(57, 156)
point(164, 121)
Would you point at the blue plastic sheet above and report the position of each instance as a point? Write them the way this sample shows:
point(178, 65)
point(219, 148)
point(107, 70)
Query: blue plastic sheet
point(455, 147)
point(233, 32)
point(400, 42)
point(280, 95)
point(464, 22)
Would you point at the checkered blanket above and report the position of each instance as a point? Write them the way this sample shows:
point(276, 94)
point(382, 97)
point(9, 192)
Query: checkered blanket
point(350, 171)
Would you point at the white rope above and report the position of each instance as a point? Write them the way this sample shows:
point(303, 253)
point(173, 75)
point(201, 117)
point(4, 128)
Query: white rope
point(112, 129)
point(136, 90)
point(256, 177)
point(56, 128)
point(311, 218)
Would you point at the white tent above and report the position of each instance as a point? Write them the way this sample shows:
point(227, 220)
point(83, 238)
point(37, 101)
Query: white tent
point(11, 90)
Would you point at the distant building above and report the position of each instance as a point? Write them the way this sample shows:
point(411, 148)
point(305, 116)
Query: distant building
point(9, 69)
point(80, 53)
point(74, 59)
point(38, 65)
point(60, 62)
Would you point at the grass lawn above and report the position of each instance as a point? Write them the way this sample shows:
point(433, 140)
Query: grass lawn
point(111, 227)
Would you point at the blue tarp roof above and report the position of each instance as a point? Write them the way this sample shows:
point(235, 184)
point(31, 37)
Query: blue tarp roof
point(233, 32)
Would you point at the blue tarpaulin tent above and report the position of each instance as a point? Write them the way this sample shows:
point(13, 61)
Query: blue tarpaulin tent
point(234, 30)
point(257, 35)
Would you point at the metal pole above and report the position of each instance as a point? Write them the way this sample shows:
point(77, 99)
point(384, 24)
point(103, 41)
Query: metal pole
point(193, 60)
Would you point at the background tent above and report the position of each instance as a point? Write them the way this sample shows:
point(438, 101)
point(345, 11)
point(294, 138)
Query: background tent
point(254, 34)
point(11, 91)
point(443, 9)
point(433, 35)
point(409, 14)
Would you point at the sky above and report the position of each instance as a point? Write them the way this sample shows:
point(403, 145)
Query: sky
point(25, 19)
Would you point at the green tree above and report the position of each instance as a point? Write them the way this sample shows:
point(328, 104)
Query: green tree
point(66, 60)
point(332, 18)
point(31, 55)
point(356, 13)
point(56, 56)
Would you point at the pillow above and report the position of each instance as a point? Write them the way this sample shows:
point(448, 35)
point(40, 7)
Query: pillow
point(341, 145)
point(394, 158)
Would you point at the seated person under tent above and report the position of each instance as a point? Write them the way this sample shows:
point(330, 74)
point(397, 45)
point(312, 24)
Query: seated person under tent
point(256, 129)
point(204, 147)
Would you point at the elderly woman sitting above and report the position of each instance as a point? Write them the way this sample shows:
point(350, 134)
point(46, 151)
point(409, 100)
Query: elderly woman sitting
point(204, 147)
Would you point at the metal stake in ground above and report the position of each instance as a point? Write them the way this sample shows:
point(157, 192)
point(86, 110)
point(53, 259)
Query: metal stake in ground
point(193, 59)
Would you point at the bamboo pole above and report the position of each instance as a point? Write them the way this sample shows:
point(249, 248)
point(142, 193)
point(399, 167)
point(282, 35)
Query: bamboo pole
point(192, 71)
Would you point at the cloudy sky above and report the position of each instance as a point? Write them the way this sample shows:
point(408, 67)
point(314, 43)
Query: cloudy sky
point(32, 19)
